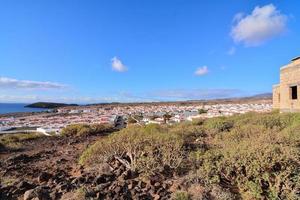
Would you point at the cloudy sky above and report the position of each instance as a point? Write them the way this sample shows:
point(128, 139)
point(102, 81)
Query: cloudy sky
point(114, 50)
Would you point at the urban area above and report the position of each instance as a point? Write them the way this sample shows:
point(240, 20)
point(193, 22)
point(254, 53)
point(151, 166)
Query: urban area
point(53, 121)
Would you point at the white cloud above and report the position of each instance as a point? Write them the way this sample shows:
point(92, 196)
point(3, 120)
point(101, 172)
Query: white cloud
point(182, 94)
point(60, 99)
point(11, 83)
point(231, 51)
point(196, 94)
point(201, 71)
point(17, 98)
point(151, 96)
point(117, 65)
point(237, 17)
point(262, 24)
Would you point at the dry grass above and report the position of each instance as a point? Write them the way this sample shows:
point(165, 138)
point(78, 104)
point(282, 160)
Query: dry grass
point(145, 149)
point(14, 141)
point(86, 129)
point(250, 156)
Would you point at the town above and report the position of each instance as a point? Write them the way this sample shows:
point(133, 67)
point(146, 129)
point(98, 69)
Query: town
point(53, 121)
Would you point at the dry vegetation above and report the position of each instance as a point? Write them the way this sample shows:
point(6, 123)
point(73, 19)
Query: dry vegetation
point(14, 141)
point(86, 129)
point(250, 156)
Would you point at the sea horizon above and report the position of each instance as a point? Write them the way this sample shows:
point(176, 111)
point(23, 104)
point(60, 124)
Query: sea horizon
point(6, 108)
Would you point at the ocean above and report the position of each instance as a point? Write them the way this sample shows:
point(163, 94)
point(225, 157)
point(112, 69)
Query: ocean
point(17, 107)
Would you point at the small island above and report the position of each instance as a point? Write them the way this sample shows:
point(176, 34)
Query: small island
point(48, 105)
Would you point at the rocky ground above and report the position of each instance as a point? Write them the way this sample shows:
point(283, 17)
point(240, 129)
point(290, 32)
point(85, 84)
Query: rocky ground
point(47, 168)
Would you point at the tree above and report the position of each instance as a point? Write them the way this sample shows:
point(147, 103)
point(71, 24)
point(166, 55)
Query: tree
point(202, 111)
point(167, 117)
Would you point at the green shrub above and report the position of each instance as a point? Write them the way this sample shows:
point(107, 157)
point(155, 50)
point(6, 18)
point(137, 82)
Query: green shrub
point(275, 121)
point(202, 111)
point(15, 140)
point(2, 147)
point(257, 157)
point(145, 149)
point(131, 120)
point(218, 124)
point(86, 129)
point(249, 156)
point(154, 128)
point(7, 180)
point(181, 195)
point(290, 135)
point(78, 194)
point(240, 133)
point(198, 121)
point(272, 120)
point(189, 132)
point(167, 117)
point(220, 193)
point(134, 119)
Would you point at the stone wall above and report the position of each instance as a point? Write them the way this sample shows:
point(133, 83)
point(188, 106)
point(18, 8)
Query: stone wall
point(289, 76)
point(276, 96)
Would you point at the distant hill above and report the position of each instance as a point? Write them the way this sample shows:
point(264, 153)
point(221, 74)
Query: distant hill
point(258, 98)
point(263, 96)
point(48, 105)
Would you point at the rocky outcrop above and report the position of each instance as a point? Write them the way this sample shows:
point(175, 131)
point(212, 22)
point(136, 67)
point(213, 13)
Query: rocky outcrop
point(36, 173)
point(110, 181)
point(38, 193)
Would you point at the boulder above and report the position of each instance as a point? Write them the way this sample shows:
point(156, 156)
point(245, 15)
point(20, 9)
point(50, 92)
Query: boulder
point(130, 186)
point(38, 193)
point(63, 187)
point(118, 172)
point(100, 179)
point(102, 186)
point(157, 184)
point(105, 169)
point(44, 177)
point(118, 189)
point(104, 178)
point(80, 180)
point(18, 158)
point(156, 197)
point(24, 186)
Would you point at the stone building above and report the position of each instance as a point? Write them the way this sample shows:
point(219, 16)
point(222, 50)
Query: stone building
point(286, 94)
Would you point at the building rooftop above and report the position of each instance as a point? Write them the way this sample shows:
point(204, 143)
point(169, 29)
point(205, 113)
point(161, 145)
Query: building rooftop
point(292, 63)
point(296, 58)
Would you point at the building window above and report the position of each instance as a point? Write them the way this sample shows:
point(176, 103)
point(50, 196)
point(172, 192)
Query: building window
point(293, 91)
point(279, 97)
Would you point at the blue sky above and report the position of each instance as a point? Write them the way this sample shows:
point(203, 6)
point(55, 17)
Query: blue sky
point(133, 50)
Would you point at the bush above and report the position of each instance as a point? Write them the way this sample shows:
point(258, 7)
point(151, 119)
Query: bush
point(2, 147)
point(202, 111)
point(272, 120)
point(249, 156)
point(78, 194)
point(134, 119)
point(181, 195)
point(220, 193)
point(275, 121)
point(198, 122)
point(218, 124)
point(145, 149)
point(14, 141)
point(86, 129)
point(258, 157)
point(187, 128)
point(189, 132)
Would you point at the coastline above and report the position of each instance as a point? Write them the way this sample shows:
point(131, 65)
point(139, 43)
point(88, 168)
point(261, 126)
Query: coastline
point(18, 109)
